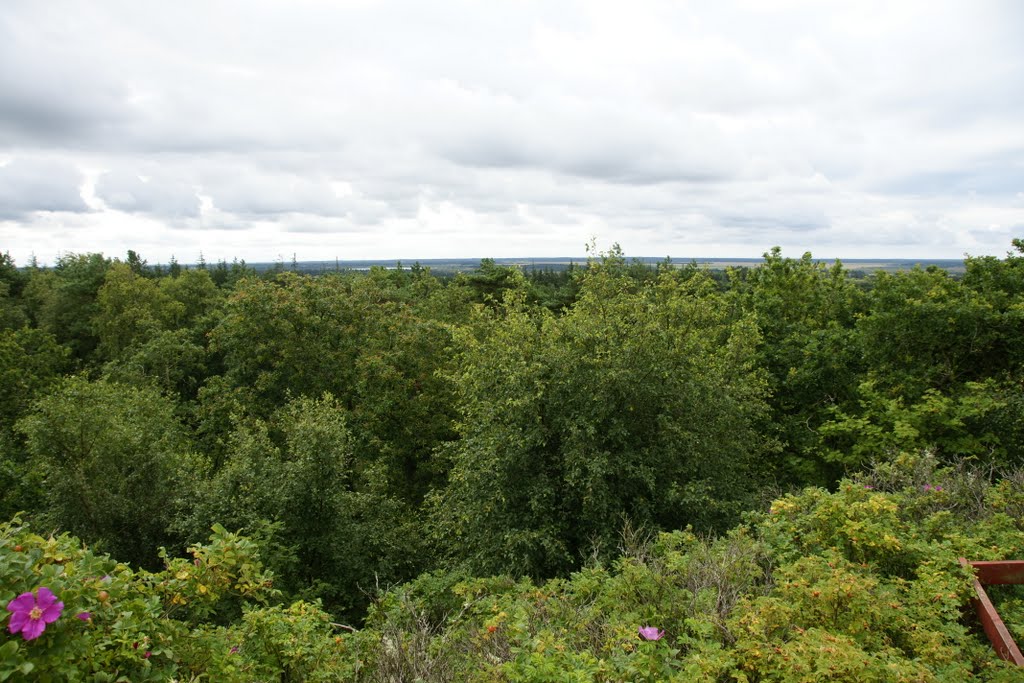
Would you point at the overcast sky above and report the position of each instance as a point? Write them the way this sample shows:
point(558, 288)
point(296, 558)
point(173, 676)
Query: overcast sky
point(419, 129)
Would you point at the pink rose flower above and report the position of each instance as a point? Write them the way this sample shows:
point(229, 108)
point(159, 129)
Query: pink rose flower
point(651, 633)
point(31, 612)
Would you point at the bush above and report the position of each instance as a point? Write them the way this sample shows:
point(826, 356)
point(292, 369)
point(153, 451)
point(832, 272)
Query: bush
point(860, 584)
point(205, 617)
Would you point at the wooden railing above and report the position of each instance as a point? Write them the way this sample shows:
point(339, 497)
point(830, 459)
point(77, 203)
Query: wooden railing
point(995, 574)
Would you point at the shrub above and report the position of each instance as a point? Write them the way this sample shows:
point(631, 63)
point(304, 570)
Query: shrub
point(202, 617)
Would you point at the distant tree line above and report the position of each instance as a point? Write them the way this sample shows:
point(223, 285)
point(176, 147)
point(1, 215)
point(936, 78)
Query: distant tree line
point(366, 427)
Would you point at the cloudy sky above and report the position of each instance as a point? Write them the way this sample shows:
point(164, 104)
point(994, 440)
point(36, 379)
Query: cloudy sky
point(448, 128)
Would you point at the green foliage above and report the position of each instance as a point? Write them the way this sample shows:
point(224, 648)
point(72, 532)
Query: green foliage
point(64, 300)
point(12, 317)
point(639, 403)
point(225, 276)
point(291, 643)
point(197, 297)
point(295, 334)
point(30, 361)
point(805, 311)
point(401, 405)
point(169, 360)
point(147, 328)
point(1001, 283)
point(110, 457)
point(363, 427)
point(375, 343)
point(925, 329)
point(334, 531)
point(131, 310)
point(882, 426)
point(554, 290)
point(920, 359)
point(205, 617)
point(900, 514)
point(490, 282)
point(12, 282)
point(38, 295)
point(10, 275)
point(861, 584)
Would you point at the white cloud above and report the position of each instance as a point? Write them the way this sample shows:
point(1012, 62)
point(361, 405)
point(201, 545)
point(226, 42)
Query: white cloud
point(154, 195)
point(380, 129)
point(29, 185)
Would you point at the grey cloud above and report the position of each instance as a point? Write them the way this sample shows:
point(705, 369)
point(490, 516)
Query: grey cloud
point(760, 221)
point(624, 142)
point(321, 225)
point(733, 125)
point(51, 114)
point(54, 91)
point(1002, 176)
point(307, 204)
point(600, 160)
point(157, 196)
point(28, 185)
point(258, 194)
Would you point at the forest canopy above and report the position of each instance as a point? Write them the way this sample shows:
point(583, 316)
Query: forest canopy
point(384, 456)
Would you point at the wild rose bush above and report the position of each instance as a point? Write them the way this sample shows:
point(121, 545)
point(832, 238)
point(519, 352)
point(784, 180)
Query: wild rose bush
point(201, 618)
point(861, 584)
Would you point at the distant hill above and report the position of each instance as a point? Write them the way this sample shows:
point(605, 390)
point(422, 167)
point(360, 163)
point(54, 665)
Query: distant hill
point(457, 265)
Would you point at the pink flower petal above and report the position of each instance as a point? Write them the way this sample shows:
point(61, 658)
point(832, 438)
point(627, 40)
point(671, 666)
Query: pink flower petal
point(52, 613)
point(45, 597)
point(651, 633)
point(23, 603)
point(33, 629)
point(18, 620)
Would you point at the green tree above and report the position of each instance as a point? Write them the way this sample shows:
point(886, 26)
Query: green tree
point(31, 361)
point(38, 295)
point(12, 314)
point(1001, 283)
point(926, 330)
point(402, 406)
point(490, 281)
point(374, 342)
point(806, 312)
point(131, 310)
point(963, 424)
point(944, 367)
point(169, 360)
point(63, 301)
point(10, 275)
point(111, 457)
point(12, 282)
point(333, 529)
point(294, 334)
point(640, 403)
point(198, 296)
point(137, 264)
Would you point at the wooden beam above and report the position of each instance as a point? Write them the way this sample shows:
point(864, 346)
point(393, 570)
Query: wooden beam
point(994, 627)
point(999, 573)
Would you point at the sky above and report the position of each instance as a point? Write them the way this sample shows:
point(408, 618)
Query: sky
point(356, 129)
